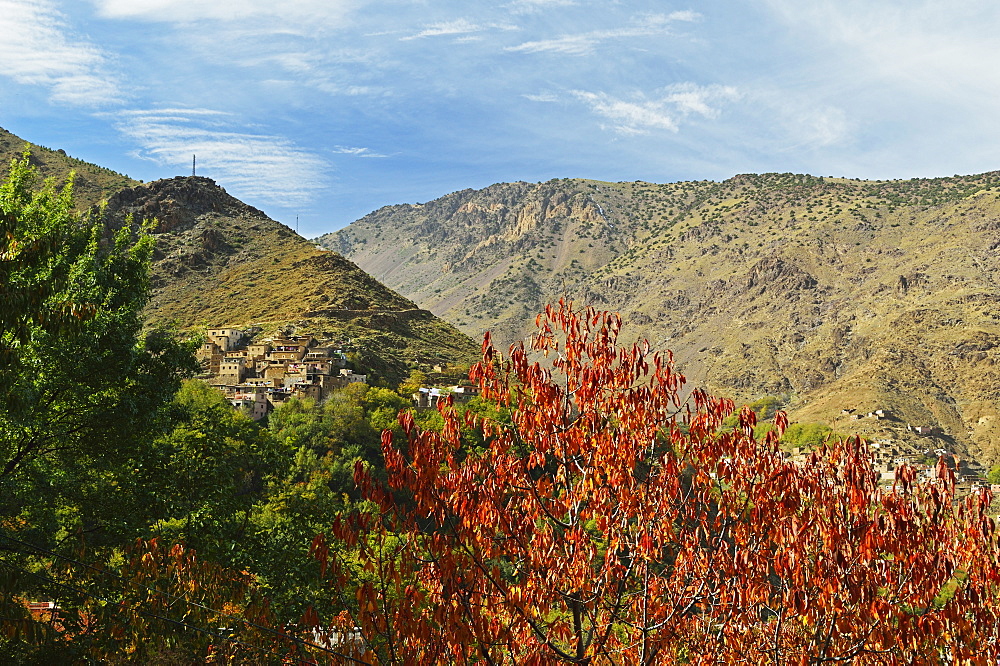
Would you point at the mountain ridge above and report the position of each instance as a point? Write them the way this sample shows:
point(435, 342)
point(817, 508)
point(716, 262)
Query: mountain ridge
point(837, 294)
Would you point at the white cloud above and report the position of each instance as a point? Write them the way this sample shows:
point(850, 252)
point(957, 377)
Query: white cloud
point(824, 126)
point(566, 44)
point(38, 47)
point(801, 122)
point(629, 117)
point(541, 97)
point(664, 111)
point(356, 152)
point(584, 43)
point(942, 50)
point(264, 168)
point(684, 15)
point(533, 6)
point(456, 27)
point(690, 98)
point(309, 13)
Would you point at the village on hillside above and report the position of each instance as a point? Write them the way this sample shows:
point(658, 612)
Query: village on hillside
point(258, 375)
point(893, 443)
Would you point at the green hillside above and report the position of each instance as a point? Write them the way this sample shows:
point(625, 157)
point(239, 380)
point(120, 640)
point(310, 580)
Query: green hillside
point(93, 183)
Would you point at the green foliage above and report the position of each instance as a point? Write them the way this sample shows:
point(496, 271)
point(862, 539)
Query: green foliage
point(327, 440)
point(415, 381)
point(41, 245)
point(807, 435)
point(994, 475)
point(766, 407)
point(82, 382)
point(204, 475)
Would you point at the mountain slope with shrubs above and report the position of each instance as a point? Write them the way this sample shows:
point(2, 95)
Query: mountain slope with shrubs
point(833, 294)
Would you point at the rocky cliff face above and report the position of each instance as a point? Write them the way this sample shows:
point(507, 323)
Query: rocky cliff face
point(836, 294)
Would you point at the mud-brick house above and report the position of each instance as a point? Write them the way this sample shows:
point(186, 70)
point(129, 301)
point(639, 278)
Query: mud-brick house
point(226, 338)
point(305, 389)
point(207, 350)
point(303, 340)
point(329, 382)
point(258, 351)
point(232, 370)
point(320, 354)
point(464, 393)
point(253, 401)
point(286, 352)
point(275, 370)
point(352, 378)
point(316, 369)
point(259, 381)
point(209, 355)
point(295, 373)
point(427, 398)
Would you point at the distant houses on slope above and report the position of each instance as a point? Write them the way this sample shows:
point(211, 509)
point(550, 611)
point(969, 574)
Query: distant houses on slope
point(259, 375)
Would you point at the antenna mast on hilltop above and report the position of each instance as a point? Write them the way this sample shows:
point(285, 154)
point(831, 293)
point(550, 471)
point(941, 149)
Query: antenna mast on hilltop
point(194, 160)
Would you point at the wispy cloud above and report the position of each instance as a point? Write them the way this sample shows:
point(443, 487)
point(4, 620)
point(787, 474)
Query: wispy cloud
point(259, 167)
point(311, 13)
point(585, 42)
point(456, 27)
point(541, 97)
point(664, 111)
point(533, 6)
point(943, 50)
point(799, 122)
point(356, 152)
point(38, 47)
point(629, 117)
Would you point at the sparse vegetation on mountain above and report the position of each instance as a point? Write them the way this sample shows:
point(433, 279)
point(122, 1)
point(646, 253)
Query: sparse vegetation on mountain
point(840, 294)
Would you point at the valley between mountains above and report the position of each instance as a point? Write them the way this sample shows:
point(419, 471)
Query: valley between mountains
point(835, 297)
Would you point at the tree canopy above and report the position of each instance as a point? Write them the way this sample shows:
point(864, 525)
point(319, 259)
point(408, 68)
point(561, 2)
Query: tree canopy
point(611, 521)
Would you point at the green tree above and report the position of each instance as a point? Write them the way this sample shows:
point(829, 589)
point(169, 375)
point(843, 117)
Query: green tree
point(413, 383)
point(82, 381)
point(83, 386)
point(328, 439)
point(807, 435)
point(202, 478)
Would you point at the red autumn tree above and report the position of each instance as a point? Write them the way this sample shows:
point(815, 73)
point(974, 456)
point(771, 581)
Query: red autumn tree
point(608, 520)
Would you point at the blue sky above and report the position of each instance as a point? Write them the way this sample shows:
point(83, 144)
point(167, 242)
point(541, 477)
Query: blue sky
point(328, 109)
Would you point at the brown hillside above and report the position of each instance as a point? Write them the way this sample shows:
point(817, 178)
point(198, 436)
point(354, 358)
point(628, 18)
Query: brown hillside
point(92, 185)
point(221, 262)
point(835, 294)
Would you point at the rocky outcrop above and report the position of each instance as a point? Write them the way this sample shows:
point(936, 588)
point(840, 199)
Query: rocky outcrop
point(176, 203)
